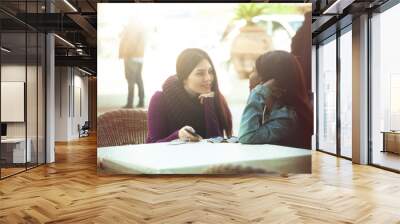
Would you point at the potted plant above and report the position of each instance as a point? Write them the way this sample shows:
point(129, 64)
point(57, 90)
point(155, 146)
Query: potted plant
point(251, 42)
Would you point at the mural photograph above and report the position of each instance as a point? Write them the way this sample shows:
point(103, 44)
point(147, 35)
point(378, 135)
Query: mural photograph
point(196, 88)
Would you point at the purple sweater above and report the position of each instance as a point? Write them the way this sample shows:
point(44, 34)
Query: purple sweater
point(161, 129)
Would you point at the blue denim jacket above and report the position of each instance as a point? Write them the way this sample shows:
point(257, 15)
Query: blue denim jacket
point(279, 128)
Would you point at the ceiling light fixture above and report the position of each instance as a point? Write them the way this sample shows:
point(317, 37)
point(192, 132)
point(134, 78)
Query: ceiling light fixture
point(64, 40)
point(5, 49)
point(70, 5)
point(337, 7)
point(84, 71)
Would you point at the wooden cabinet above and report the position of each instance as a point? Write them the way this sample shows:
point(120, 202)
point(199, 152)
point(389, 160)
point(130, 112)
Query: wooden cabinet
point(391, 141)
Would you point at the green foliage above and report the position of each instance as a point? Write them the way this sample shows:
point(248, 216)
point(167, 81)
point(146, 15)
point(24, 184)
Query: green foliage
point(250, 10)
point(277, 8)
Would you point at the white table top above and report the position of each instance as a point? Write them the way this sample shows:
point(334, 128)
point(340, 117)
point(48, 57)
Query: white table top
point(196, 158)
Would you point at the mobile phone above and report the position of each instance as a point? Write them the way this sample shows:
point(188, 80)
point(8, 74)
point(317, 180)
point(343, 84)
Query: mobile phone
point(194, 134)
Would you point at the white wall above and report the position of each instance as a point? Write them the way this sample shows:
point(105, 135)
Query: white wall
point(79, 117)
point(69, 85)
point(13, 73)
point(314, 90)
point(33, 127)
point(62, 81)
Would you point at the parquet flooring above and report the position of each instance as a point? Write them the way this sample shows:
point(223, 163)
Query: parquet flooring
point(10, 171)
point(70, 191)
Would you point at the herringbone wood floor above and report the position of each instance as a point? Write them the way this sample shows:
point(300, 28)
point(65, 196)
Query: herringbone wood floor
point(70, 191)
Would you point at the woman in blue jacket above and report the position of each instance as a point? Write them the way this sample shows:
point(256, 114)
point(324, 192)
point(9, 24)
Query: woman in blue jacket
point(277, 111)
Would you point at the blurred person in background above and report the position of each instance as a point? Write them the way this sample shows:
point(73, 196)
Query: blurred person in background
point(131, 50)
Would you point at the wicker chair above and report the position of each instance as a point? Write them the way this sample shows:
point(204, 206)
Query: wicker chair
point(122, 127)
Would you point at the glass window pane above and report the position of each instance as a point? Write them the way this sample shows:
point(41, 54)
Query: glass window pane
point(346, 94)
point(13, 86)
point(313, 89)
point(22, 86)
point(41, 98)
point(385, 89)
point(31, 97)
point(327, 97)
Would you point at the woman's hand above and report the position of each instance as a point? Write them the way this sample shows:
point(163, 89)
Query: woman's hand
point(254, 80)
point(184, 135)
point(205, 95)
point(275, 91)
